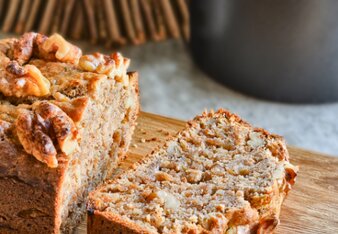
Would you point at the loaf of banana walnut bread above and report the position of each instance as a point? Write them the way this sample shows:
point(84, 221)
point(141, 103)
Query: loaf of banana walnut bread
point(65, 121)
point(219, 175)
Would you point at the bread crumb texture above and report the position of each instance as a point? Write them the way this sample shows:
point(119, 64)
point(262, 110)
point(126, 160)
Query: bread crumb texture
point(219, 175)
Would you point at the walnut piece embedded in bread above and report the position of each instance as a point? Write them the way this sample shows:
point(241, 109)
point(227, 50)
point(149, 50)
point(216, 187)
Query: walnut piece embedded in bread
point(36, 131)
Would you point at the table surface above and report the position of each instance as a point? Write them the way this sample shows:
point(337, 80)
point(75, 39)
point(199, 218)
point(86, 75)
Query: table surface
point(172, 85)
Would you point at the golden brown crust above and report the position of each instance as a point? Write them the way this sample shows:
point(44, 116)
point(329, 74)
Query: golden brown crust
point(134, 86)
point(105, 222)
point(247, 215)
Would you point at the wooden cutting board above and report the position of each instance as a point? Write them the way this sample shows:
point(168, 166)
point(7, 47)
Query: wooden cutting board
point(312, 205)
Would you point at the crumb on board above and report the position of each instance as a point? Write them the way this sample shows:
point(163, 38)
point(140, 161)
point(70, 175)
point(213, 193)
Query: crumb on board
point(166, 133)
point(152, 139)
point(142, 140)
point(134, 146)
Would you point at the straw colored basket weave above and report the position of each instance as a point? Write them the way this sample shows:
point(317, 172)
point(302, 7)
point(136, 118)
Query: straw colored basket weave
point(113, 22)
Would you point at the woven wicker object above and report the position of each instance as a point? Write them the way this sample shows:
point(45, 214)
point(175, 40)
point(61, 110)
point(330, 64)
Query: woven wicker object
point(113, 22)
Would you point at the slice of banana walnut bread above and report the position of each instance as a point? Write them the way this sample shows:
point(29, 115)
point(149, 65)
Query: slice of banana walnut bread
point(219, 175)
point(65, 121)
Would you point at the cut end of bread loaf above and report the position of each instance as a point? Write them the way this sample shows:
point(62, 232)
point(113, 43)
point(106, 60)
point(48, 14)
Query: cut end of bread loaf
point(66, 119)
point(219, 175)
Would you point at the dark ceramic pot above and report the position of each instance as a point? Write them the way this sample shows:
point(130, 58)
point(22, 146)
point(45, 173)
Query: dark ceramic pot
point(284, 50)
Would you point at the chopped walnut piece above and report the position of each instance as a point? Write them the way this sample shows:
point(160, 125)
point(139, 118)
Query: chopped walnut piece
point(31, 131)
point(255, 140)
point(163, 176)
point(37, 84)
point(268, 225)
point(4, 125)
point(63, 126)
point(23, 81)
point(194, 176)
point(58, 48)
point(114, 189)
point(34, 132)
point(15, 68)
point(171, 165)
point(217, 169)
point(220, 208)
point(50, 48)
point(97, 62)
point(290, 173)
point(113, 66)
point(23, 48)
point(215, 222)
point(7, 45)
point(149, 196)
point(169, 200)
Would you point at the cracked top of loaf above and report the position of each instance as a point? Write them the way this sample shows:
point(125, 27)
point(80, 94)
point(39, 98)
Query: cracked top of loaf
point(45, 84)
point(219, 175)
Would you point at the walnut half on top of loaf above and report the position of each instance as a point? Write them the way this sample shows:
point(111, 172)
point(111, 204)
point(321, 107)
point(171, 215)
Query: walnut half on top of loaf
point(66, 119)
point(219, 175)
point(54, 80)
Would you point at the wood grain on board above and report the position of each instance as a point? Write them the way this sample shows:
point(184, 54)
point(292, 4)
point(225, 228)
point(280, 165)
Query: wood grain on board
point(311, 206)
